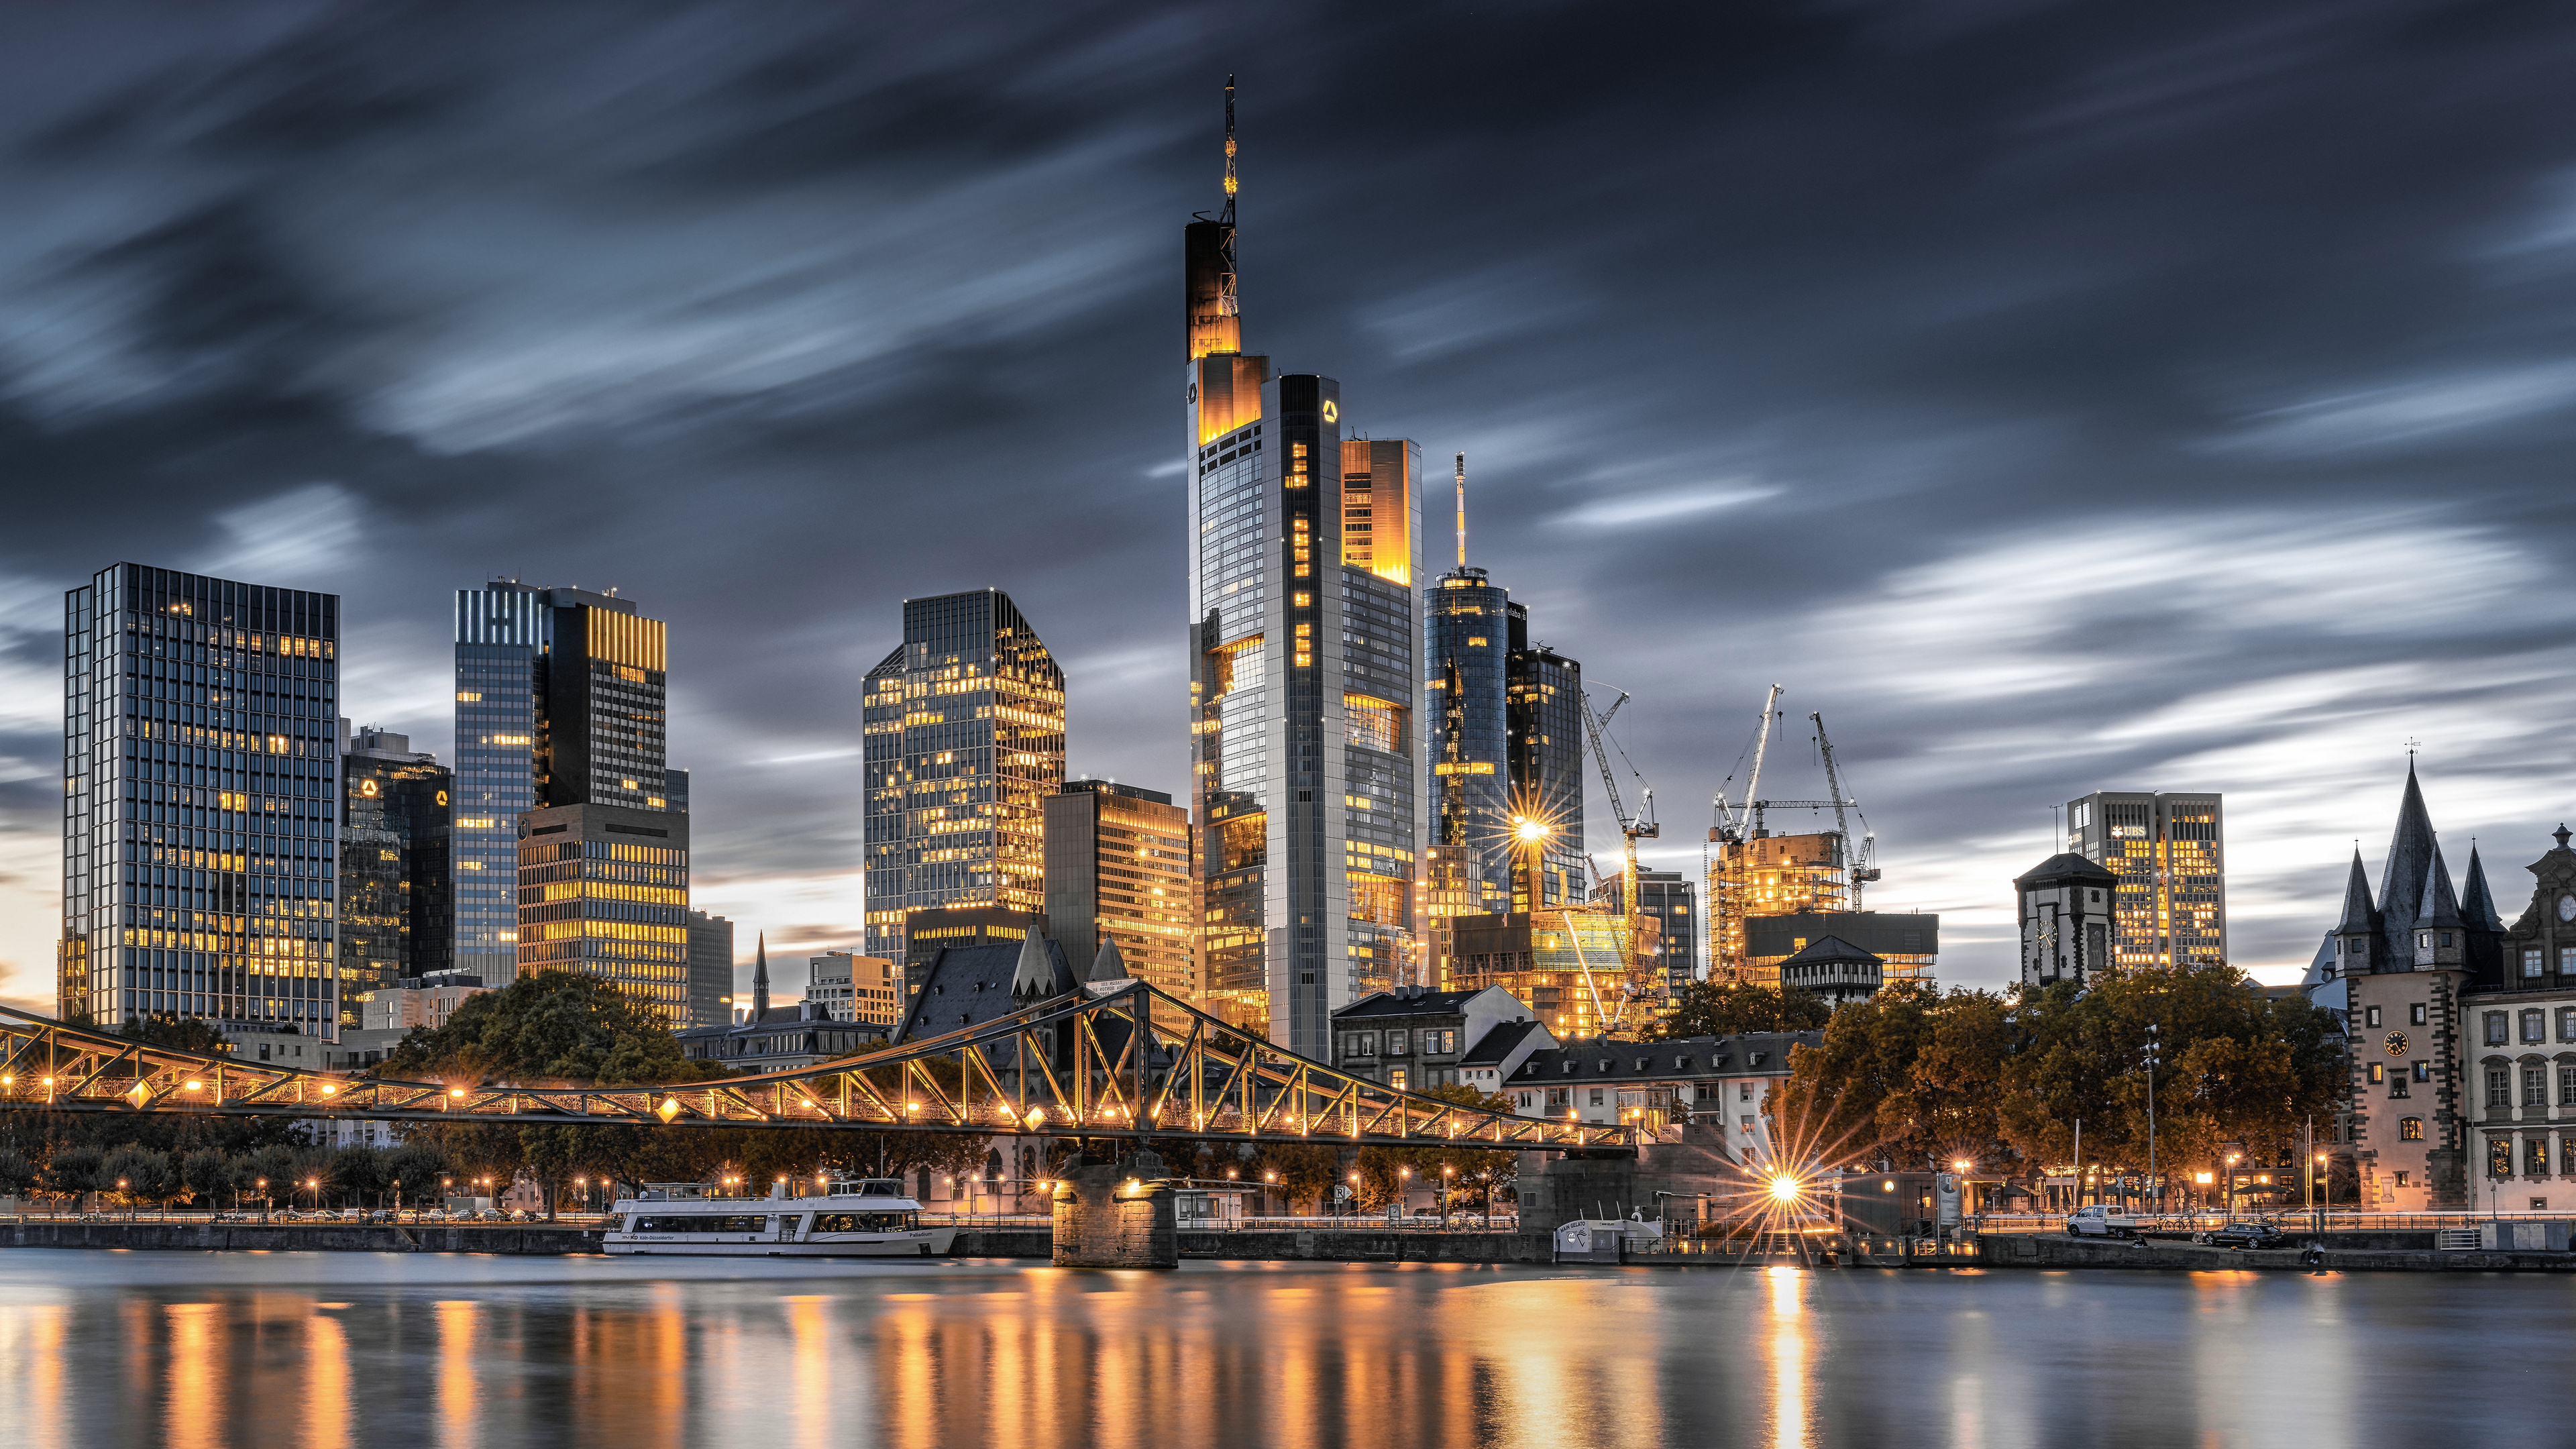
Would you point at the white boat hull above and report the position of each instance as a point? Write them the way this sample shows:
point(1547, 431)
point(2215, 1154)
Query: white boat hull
point(918, 1243)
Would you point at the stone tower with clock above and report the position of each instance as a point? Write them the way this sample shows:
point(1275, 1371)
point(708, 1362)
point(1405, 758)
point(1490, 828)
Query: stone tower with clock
point(2406, 960)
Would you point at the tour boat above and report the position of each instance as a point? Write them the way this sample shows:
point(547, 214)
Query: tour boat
point(861, 1218)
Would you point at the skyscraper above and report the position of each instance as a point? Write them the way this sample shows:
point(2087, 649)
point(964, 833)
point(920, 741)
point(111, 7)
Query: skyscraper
point(1307, 770)
point(1467, 641)
point(201, 760)
point(395, 918)
point(1542, 692)
point(1665, 897)
point(963, 743)
point(710, 969)
point(604, 890)
point(1118, 868)
point(2170, 855)
point(559, 701)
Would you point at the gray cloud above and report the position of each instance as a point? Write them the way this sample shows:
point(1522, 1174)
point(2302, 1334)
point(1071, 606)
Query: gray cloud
point(2060, 397)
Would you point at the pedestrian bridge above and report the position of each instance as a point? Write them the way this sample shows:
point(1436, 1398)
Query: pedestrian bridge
point(1122, 1061)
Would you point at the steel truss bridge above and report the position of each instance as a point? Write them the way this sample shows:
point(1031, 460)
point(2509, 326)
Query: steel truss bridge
point(1123, 1063)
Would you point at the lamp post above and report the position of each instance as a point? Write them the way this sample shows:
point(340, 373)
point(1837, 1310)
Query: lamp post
point(129, 1199)
point(1448, 1172)
point(263, 1199)
point(2155, 1184)
point(2227, 1208)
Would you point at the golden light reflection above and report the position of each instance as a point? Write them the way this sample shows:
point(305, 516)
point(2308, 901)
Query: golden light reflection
point(459, 1399)
point(326, 1384)
point(31, 1337)
point(191, 1415)
point(1787, 1349)
point(810, 1370)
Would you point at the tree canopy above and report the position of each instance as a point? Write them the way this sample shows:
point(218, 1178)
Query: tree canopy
point(550, 1027)
point(1725, 1008)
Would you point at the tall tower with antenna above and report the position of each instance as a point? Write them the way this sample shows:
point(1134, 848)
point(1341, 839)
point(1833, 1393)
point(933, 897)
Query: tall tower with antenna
point(1305, 773)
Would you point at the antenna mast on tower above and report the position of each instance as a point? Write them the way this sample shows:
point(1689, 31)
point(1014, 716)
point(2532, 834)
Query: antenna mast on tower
point(1462, 510)
point(1228, 304)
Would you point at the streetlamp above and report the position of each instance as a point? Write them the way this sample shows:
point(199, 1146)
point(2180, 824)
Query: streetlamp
point(263, 1199)
point(2228, 1208)
point(129, 1201)
point(2155, 1048)
point(1355, 1194)
point(1448, 1175)
point(314, 1186)
point(581, 1189)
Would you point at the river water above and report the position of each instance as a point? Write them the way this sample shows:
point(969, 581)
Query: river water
point(319, 1350)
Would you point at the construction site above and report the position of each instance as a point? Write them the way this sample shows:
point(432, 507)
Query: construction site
point(1767, 905)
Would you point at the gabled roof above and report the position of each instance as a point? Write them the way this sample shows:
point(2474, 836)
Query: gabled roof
point(965, 986)
point(1409, 1003)
point(1109, 965)
point(2063, 867)
point(1697, 1056)
point(1832, 948)
point(1496, 1046)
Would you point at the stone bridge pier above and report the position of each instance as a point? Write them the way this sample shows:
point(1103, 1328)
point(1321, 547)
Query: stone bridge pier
point(1612, 1182)
point(1116, 1215)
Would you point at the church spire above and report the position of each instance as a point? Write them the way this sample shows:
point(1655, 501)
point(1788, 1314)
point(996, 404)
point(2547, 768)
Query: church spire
point(2402, 879)
point(1109, 965)
point(2357, 912)
point(1034, 978)
point(2477, 904)
point(760, 979)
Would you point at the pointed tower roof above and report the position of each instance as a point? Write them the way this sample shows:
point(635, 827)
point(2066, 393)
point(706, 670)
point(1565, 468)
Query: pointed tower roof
point(760, 978)
point(1035, 976)
point(2441, 909)
point(2410, 856)
point(1109, 965)
point(2358, 914)
point(2477, 905)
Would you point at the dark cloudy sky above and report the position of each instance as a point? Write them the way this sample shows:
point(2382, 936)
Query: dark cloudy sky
point(2058, 396)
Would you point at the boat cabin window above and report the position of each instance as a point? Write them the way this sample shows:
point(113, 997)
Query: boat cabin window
point(864, 1222)
point(698, 1223)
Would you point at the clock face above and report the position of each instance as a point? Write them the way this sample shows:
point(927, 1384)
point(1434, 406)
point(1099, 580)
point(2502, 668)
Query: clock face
point(2567, 908)
point(2397, 1043)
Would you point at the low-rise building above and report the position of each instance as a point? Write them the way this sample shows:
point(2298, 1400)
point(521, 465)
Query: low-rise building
point(1725, 1080)
point(1834, 969)
point(783, 1039)
point(1414, 1038)
point(853, 987)
point(420, 1001)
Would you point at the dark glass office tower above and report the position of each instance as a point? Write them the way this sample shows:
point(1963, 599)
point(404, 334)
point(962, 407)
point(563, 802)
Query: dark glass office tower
point(1542, 689)
point(1467, 635)
point(559, 701)
point(396, 920)
point(1307, 764)
point(963, 743)
point(201, 758)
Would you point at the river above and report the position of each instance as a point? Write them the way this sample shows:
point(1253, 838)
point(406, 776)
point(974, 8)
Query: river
point(321, 1350)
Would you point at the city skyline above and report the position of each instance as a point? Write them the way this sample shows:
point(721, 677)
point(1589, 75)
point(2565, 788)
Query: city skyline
point(2290, 496)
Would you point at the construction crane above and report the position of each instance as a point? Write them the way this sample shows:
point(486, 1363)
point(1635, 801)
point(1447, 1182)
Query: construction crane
point(1631, 829)
point(1732, 827)
point(1863, 861)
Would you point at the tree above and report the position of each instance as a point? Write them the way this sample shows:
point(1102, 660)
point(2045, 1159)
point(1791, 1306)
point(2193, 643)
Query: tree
point(17, 1174)
point(175, 1033)
point(206, 1174)
point(1725, 1008)
point(73, 1170)
point(1909, 1077)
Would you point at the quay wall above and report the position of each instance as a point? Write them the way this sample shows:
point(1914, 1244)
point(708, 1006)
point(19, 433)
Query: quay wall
point(2039, 1250)
point(530, 1239)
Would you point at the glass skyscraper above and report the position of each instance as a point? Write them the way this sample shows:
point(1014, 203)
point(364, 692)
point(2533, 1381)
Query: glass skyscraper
point(559, 701)
point(201, 755)
point(1467, 637)
point(963, 742)
point(1542, 690)
point(395, 919)
point(1307, 769)
point(2169, 852)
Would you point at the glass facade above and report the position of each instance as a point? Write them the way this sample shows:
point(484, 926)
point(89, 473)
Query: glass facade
point(604, 890)
point(201, 754)
point(963, 743)
point(1467, 638)
point(2169, 853)
point(1542, 692)
point(396, 920)
point(560, 700)
point(1118, 866)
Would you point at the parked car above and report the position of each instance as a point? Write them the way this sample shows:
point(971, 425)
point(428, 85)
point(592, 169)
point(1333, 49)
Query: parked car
point(2101, 1220)
point(433, 1215)
point(2243, 1233)
point(491, 1215)
point(353, 1215)
point(522, 1215)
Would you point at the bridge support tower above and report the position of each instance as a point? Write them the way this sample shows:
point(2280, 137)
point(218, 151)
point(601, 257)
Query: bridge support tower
point(1116, 1215)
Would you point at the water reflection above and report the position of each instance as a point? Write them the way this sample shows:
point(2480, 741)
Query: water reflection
point(328, 1351)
